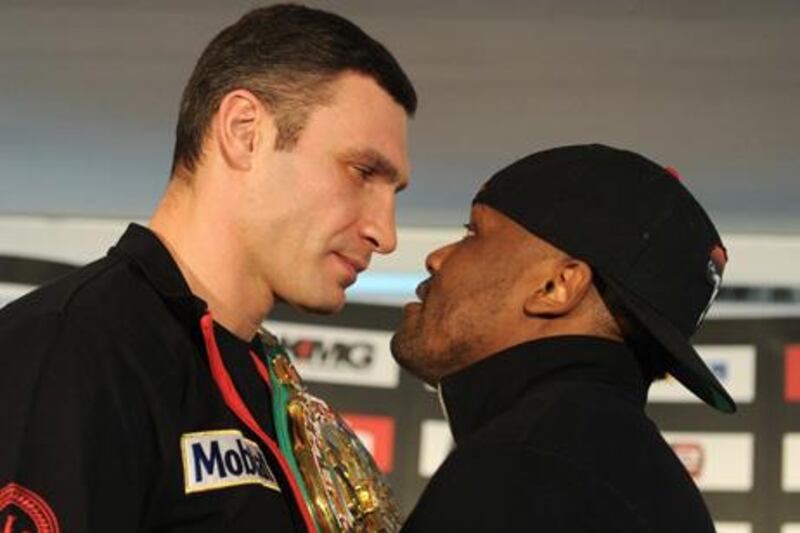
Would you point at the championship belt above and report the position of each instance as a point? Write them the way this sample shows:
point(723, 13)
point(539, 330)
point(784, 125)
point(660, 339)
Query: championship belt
point(340, 482)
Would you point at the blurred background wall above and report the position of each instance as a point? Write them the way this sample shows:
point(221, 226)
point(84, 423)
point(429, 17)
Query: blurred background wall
point(90, 88)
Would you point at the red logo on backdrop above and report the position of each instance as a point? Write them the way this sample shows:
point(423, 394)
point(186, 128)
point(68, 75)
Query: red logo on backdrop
point(24, 511)
point(358, 355)
point(377, 434)
point(691, 455)
point(792, 373)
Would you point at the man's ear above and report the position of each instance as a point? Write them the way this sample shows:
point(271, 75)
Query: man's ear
point(567, 286)
point(238, 127)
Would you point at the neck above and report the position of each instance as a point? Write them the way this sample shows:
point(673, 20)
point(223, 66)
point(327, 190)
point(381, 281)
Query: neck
point(205, 244)
point(576, 330)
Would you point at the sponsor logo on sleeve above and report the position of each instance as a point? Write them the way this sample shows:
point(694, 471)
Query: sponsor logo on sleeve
point(792, 373)
point(733, 527)
point(339, 355)
point(791, 462)
point(377, 435)
point(716, 461)
point(24, 511)
point(221, 459)
point(733, 365)
point(435, 444)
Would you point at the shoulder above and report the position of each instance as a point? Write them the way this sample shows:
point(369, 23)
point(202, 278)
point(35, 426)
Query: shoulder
point(516, 488)
point(72, 295)
point(602, 431)
point(588, 443)
point(103, 319)
point(99, 343)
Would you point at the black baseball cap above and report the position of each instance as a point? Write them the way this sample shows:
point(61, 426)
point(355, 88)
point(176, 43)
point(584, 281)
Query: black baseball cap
point(639, 228)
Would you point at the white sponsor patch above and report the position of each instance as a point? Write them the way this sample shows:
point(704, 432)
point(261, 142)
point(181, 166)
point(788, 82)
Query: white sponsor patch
point(435, 443)
point(790, 528)
point(339, 355)
point(734, 365)
point(220, 459)
point(716, 461)
point(733, 527)
point(791, 462)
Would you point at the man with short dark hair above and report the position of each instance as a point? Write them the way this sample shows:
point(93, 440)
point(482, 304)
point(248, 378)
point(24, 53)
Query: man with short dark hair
point(134, 392)
point(582, 276)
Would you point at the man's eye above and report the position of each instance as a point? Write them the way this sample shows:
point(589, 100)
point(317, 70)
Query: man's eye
point(364, 171)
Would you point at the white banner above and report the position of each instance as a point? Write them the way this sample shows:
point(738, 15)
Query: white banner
point(733, 527)
point(734, 366)
point(716, 461)
point(339, 355)
point(791, 462)
point(11, 291)
point(435, 443)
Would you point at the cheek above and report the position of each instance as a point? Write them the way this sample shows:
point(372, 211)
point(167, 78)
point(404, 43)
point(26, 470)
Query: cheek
point(318, 216)
point(333, 227)
point(472, 300)
point(332, 199)
point(445, 307)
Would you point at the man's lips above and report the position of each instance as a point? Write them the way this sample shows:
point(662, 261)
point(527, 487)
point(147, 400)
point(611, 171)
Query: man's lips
point(423, 289)
point(422, 292)
point(353, 265)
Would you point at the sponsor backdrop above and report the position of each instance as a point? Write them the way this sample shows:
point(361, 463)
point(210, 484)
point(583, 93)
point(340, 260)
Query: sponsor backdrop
point(747, 465)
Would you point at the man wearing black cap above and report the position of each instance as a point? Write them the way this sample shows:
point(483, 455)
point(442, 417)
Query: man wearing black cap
point(583, 274)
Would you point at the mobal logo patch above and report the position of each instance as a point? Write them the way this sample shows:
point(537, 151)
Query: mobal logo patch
point(220, 459)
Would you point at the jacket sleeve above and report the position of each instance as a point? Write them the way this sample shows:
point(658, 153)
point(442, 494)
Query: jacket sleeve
point(504, 489)
point(77, 443)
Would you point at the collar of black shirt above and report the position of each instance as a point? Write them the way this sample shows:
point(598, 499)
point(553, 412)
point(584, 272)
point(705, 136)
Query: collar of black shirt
point(142, 247)
point(484, 390)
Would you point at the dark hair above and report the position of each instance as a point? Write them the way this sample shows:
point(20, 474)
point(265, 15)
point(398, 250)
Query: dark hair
point(287, 55)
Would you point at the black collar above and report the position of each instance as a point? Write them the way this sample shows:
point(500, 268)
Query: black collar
point(482, 391)
point(142, 247)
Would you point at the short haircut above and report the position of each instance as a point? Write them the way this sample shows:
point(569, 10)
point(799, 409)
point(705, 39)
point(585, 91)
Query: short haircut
point(287, 55)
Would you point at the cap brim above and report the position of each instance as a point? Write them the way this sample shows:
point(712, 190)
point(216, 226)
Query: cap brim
point(684, 363)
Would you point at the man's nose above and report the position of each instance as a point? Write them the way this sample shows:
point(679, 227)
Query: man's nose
point(433, 263)
point(380, 228)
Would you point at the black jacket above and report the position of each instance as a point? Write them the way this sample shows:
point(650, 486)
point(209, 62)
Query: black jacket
point(551, 436)
point(111, 420)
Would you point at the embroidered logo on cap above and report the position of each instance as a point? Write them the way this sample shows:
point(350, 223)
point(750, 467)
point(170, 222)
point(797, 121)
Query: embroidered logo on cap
point(221, 459)
point(716, 265)
point(714, 269)
point(673, 172)
point(22, 510)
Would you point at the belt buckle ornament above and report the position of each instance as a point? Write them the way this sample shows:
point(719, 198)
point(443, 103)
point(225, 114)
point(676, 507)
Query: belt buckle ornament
point(342, 485)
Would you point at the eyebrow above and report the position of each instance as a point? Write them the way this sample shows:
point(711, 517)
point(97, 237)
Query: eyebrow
point(379, 163)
